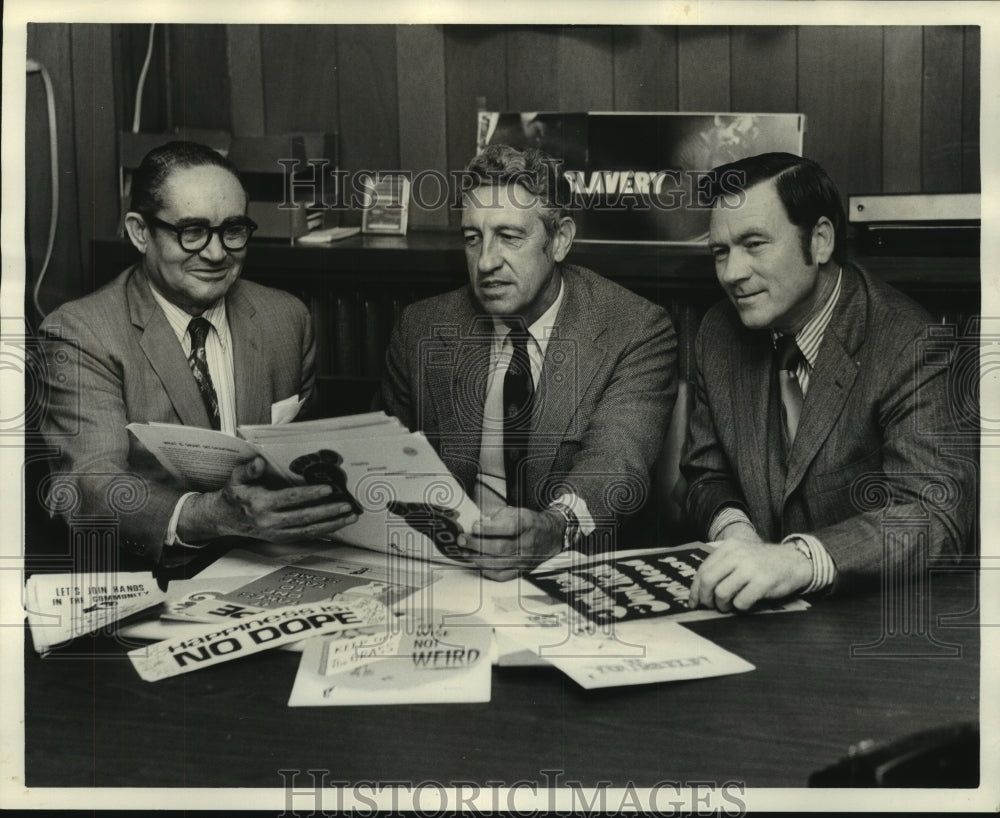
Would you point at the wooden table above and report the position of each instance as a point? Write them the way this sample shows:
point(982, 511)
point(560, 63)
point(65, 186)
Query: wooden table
point(92, 722)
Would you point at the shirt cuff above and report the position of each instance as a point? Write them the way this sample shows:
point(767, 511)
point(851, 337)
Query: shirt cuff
point(171, 537)
point(823, 566)
point(726, 517)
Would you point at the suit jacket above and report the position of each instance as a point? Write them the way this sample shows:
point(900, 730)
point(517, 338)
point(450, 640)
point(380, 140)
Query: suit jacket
point(125, 365)
point(605, 391)
point(870, 456)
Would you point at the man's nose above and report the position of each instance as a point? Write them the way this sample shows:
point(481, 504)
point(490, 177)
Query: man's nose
point(214, 250)
point(732, 269)
point(489, 256)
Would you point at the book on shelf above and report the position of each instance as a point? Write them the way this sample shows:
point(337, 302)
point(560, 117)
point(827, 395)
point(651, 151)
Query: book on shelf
point(372, 333)
point(346, 346)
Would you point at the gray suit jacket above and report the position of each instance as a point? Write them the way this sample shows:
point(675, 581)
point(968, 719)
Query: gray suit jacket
point(872, 448)
point(113, 359)
point(605, 392)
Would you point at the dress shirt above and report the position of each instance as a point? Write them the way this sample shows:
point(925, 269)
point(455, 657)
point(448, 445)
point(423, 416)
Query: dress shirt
point(490, 490)
point(219, 354)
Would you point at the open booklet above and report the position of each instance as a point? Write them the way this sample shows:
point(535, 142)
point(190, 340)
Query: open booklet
point(641, 584)
point(405, 498)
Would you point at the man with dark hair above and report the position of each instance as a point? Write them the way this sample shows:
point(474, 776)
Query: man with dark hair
point(810, 388)
point(179, 338)
point(544, 387)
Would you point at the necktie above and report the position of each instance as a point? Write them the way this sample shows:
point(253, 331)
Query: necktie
point(198, 328)
point(518, 390)
point(788, 356)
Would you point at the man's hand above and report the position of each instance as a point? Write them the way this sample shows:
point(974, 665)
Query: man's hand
point(739, 573)
point(514, 540)
point(245, 509)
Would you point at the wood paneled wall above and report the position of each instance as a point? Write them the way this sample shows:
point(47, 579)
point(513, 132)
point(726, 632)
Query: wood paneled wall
point(890, 109)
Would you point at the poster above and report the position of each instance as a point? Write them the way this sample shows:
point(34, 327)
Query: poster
point(640, 177)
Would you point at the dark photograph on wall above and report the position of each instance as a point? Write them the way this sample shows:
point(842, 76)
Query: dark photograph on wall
point(640, 178)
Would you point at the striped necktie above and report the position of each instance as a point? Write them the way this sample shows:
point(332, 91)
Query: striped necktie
point(198, 328)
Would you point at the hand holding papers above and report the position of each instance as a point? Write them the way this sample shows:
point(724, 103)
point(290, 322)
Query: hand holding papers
point(398, 494)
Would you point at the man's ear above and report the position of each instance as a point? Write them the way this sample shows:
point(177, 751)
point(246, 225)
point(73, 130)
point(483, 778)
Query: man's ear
point(823, 240)
point(138, 231)
point(563, 238)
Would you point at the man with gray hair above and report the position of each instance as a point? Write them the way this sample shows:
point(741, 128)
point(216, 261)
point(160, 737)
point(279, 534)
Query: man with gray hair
point(544, 387)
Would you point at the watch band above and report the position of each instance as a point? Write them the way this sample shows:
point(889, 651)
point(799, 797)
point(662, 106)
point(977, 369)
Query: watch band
point(572, 532)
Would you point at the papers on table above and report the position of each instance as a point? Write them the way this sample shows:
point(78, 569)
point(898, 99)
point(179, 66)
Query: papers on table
point(611, 655)
point(432, 664)
point(254, 634)
point(61, 607)
point(640, 584)
point(244, 583)
point(437, 632)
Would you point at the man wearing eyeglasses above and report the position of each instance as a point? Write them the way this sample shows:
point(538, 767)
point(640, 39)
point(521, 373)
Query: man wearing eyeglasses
point(180, 338)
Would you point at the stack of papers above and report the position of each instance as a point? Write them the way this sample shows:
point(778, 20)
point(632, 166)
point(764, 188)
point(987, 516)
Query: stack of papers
point(405, 498)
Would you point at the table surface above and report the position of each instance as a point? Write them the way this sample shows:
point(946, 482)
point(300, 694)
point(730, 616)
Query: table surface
point(90, 721)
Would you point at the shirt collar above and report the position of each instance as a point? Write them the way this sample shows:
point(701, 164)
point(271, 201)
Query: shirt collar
point(809, 338)
point(179, 320)
point(540, 330)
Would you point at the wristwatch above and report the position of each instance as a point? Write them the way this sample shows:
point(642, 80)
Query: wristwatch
point(572, 531)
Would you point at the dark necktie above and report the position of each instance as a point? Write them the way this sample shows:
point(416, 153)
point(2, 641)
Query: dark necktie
point(198, 328)
point(518, 390)
point(788, 356)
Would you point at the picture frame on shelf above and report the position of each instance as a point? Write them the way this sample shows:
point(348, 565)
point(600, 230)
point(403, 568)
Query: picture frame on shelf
point(386, 205)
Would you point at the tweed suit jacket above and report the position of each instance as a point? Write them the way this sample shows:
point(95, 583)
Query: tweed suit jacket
point(128, 367)
point(875, 448)
point(605, 391)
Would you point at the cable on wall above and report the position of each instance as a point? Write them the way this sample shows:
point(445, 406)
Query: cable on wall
point(35, 67)
point(142, 80)
point(124, 182)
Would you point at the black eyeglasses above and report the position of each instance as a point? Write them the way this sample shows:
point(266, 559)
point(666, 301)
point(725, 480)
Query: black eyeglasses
point(234, 233)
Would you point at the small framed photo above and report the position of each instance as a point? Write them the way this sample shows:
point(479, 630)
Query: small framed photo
point(387, 205)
